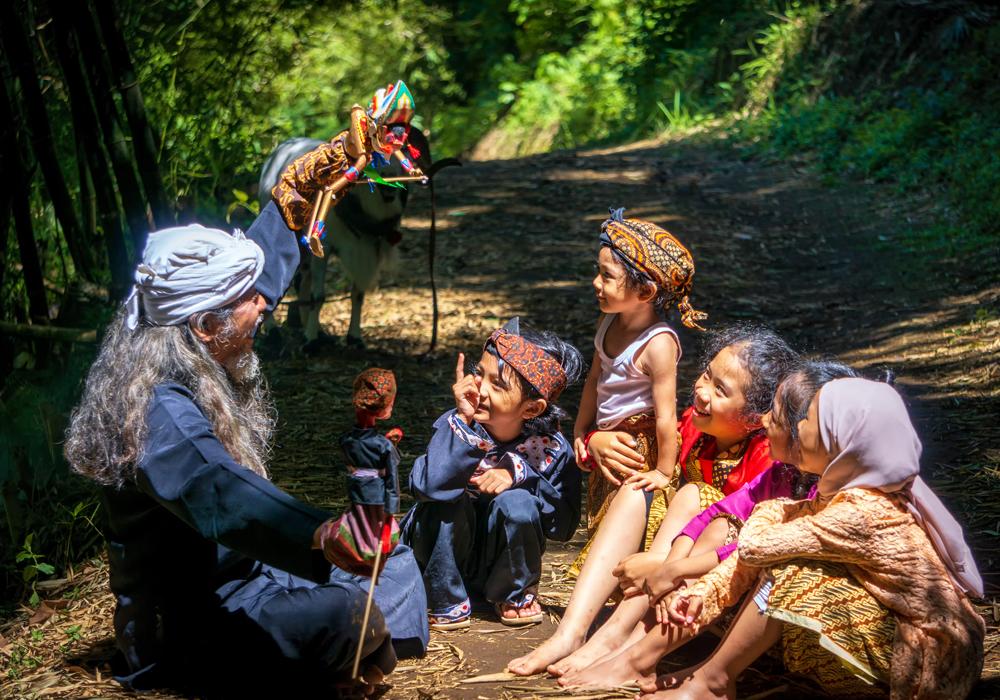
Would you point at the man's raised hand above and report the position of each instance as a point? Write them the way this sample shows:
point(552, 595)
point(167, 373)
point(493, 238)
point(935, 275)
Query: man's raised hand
point(466, 390)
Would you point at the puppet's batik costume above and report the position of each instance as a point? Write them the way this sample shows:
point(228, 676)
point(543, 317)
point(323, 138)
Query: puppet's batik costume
point(716, 474)
point(335, 165)
point(871, 606)
point(464, 539)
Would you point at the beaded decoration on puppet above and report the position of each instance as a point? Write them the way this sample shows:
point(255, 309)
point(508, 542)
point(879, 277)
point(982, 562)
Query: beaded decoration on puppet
point(321, 178)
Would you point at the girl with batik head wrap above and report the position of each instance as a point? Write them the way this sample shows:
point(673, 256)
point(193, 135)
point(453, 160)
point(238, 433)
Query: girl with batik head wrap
point(864, 587)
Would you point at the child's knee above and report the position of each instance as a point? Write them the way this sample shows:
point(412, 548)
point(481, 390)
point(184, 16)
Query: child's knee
point(688, 495)
point(518, 506)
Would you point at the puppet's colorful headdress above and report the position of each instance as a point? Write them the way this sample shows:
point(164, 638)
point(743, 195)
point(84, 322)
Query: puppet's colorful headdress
point(392, 104)
point(374, 390)
point(538, 368)
point(655, 252)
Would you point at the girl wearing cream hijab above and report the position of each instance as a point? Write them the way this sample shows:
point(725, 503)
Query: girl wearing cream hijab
point(864, 587)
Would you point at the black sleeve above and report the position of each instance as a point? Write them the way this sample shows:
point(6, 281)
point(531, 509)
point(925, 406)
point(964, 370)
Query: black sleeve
point(187, 470)
point(281, 253)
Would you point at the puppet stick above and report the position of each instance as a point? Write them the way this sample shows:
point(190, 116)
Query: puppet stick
point(315, 245)
point(315, 211)
point(432, 245)
point(383, 544)
point(410, 178)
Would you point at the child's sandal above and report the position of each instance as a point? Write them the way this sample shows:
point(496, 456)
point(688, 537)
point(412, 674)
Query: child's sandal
point(457, 617)
point(443, 624)
point(519, 621)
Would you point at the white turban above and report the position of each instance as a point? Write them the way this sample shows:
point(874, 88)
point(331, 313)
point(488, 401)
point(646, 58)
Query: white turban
point(188, 269)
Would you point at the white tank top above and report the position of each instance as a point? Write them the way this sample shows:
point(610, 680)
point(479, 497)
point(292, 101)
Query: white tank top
point(623, 389)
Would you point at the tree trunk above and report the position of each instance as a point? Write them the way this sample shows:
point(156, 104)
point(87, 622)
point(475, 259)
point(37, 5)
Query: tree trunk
point(16, 181)
point(88, 136)
point(19, 54)
point(107, 114)
point(135, 112)
point(88, 200)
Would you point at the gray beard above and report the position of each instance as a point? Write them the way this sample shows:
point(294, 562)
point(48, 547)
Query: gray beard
point(244, 368)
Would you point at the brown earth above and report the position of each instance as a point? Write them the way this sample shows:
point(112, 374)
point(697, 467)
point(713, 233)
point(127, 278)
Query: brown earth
point(830, 268)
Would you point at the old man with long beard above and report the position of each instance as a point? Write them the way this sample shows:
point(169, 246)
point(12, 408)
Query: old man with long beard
point(222, 580)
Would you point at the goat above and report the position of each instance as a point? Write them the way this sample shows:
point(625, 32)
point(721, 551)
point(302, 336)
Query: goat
point(362, 231)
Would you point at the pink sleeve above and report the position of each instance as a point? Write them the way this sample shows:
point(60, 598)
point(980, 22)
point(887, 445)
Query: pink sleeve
point(770, 483)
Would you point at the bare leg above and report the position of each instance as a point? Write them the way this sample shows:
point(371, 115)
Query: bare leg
point(750, 636)
point(626, 619)
point(621, 531)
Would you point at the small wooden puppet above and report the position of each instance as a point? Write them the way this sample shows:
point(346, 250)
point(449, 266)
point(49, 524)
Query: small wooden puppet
point(372, 480)
point(322, 177)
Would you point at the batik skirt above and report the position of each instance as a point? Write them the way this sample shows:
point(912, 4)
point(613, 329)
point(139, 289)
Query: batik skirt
point(836, 633)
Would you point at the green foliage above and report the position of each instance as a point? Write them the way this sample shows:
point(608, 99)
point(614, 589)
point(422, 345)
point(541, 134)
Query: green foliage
point(31, 571)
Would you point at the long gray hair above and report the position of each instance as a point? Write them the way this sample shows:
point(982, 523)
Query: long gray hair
point(108, 428)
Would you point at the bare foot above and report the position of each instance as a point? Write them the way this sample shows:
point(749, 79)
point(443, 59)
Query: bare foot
point(618, 670)
point(604, 643)
point(557, 647)
point(511, 611)
point(686, 685)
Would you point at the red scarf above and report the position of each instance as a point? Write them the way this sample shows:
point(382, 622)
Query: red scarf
point(756, 457)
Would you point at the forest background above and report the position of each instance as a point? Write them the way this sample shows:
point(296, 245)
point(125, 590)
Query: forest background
point(123, 115)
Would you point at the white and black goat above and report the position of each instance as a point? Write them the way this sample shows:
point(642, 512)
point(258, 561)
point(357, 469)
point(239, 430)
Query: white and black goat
point(362, 231)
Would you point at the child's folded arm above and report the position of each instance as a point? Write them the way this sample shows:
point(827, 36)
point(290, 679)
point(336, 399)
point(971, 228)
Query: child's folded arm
point(453, 455)
point(739, 504)
point(840, 532)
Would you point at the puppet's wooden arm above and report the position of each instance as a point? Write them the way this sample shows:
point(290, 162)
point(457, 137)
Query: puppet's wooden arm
point(409, 166)
point(325, 197)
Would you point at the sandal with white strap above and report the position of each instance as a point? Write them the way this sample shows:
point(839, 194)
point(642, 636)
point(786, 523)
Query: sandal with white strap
point(519, 621)
point(457, 617)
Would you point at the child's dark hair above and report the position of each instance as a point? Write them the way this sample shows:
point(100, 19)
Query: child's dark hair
point(566, 355)
point(764, 356)
point(637, 281)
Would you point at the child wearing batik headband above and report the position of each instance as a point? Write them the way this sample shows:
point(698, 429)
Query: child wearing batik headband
point(497, 480)
point(633, 379)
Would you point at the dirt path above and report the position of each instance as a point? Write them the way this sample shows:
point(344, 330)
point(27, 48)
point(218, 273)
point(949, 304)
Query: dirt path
point(825, 267)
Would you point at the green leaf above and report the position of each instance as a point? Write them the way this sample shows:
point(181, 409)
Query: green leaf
point(30, 572)
point(46, 568)
point(33, 600)
point(22, 556)
point(27, 541)
point(241, 196)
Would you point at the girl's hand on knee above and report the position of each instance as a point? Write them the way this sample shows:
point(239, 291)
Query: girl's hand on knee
point(660, 582)
point(683, 610)
point(653, 480)
point(633, 570)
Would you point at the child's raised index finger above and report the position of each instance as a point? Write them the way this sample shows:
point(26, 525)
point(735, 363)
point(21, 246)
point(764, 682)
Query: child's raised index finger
point(459, 368)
